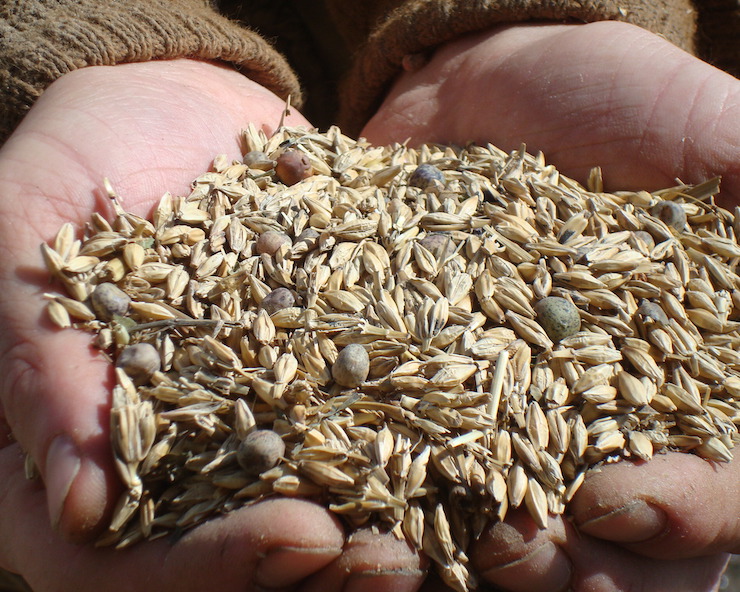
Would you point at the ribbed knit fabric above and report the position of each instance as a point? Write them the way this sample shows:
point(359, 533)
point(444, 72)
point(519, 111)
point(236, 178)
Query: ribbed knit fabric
point(40, 40)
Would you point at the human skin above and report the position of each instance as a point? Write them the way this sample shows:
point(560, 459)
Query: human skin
point(149, 128)
point(75, 137)
point(607, 94)
point(612, 95)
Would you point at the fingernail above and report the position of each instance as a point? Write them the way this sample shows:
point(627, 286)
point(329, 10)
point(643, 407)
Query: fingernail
point(635, 522)
point(62, 466)
point(396, 580)
point(547, 569)
point(282, 566)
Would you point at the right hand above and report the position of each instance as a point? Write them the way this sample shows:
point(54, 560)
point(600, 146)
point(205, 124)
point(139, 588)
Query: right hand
point(586, 95)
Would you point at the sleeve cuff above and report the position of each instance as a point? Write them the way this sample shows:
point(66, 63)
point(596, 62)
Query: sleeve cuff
point(44, 40)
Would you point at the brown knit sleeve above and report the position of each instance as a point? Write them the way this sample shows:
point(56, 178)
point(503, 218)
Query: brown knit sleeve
point(718, 38)
point(382, 32)
point(41, 40)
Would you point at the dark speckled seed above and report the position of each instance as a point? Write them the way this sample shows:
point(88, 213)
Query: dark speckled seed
point(352, 366)
point(424, 175)
point(139, 361)
point(270, 241)
point(558, 317)
point(671, 213)
point(108, 300)
point(293, 166)
point(260, 451)
point(653, 312)
point(438, 244)
point(278, 299)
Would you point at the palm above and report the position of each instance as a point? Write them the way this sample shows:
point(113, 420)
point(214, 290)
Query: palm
point(605, 94)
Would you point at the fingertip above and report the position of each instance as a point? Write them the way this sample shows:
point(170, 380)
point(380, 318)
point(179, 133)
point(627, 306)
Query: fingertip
point(286, 520)
point(372, 562)
point(284, 565)
point(62, 467)
point(516, 555)
point(635, 522)
point(546, 569)
point(84, 511)
point(302, 539)
point(56, 398)
point(675, 505)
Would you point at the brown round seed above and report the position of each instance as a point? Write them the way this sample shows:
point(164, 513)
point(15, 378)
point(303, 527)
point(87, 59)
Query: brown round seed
point(276, 300)
point(108, 300)
point(270, 241)
point(352, 366)
point(260, 451)
point(139, 361)
point(558, 317)
point(293, 166)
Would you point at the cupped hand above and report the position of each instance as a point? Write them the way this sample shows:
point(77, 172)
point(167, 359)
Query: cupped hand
point(616, 96)
point(149, 128)
point(604, 94)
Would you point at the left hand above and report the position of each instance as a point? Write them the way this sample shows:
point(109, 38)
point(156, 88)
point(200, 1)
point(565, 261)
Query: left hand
point(150, 127)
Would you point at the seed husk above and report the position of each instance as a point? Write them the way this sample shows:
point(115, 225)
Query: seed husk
point(463, 405)
point(256, 159)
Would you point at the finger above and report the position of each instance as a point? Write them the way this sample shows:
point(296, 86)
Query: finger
point(608, 568)
point(519, 556)
point(515, 556)
point(149, 128)
point(275, 543)
point(675, 505)
point(54, 389)
point(56, 396)
point(371, 563)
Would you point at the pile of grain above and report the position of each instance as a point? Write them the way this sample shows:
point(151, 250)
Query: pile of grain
point(375, 336)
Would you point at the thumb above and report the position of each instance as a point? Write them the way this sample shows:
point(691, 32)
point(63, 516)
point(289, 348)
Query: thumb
point(673, 506)
point(55, 393)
